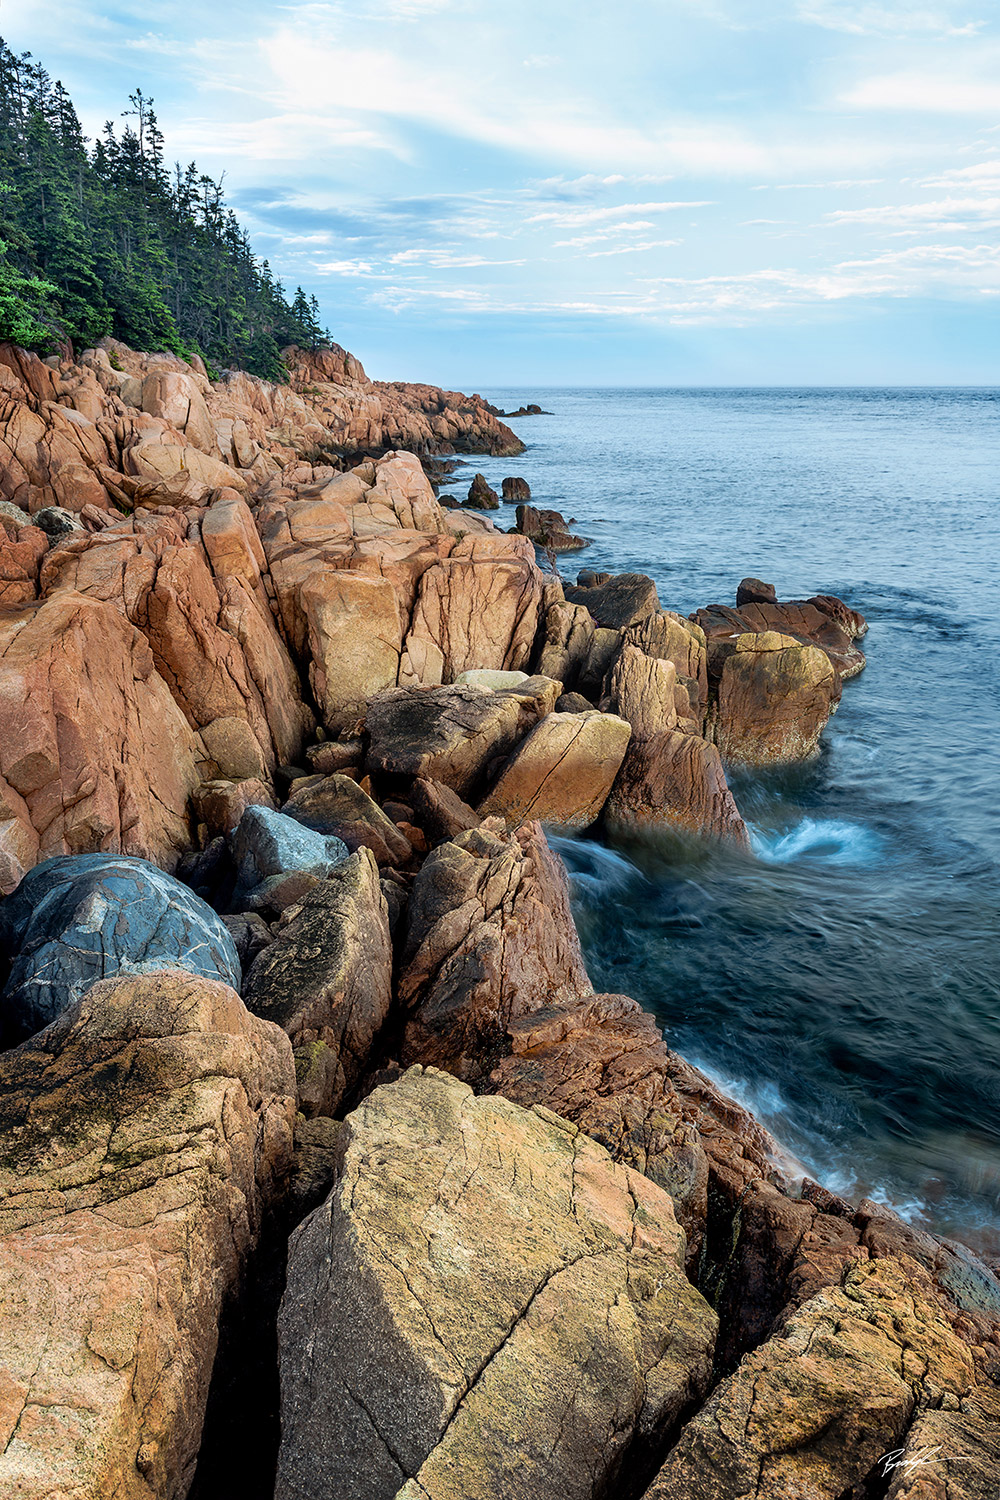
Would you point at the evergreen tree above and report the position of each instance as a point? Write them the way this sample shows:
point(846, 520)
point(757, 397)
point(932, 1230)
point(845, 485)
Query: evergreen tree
point(109, 241)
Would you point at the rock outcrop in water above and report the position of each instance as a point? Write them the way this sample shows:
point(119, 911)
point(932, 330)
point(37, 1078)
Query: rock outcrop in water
point(338, 709)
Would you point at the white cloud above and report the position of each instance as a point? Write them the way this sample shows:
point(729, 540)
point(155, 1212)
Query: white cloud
point(945, 213)
point(926, 93)
point(572, 218)
point(887, 20)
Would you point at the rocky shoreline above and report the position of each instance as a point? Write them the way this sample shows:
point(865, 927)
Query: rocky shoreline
point(325, 1173)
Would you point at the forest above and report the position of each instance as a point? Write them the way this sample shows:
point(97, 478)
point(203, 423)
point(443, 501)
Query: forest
point(105, 238)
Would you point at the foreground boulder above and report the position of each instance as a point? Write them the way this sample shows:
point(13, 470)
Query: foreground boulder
point(78, 919)
point(814, 1410)
point(561, 773)
point(336, 804)
point(327, 980)
point(415, 1346)
point(618, 601)
point(145, 1134)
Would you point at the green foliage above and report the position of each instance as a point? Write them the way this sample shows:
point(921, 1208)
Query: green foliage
point(108, 241)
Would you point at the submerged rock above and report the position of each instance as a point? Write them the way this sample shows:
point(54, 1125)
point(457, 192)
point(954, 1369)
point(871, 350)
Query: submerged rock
point(80, 918)
point(417, 1344)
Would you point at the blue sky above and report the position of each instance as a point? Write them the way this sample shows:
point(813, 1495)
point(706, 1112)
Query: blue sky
point(665, 192)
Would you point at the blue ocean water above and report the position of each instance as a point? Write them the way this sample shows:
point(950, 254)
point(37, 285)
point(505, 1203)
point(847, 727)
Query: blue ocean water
point(845, 980)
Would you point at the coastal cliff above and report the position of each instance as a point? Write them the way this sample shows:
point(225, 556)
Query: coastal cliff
point(325, 1172)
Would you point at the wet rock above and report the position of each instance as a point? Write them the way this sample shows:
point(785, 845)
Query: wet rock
point(489, 937)
point(337, 805)
point(673, 782)
point(621, 601)
point(752, 591)
point(813, 1410)
point(326, 980)
point(773, 700)
point(561, 773)
point(440, 812)
point(408, 1270)
point(803, 620)
point(481, 495)
point(515, 490)
point(81, 918)
point(267, 846)
point(446, 734)
point(145, 1135)
point(548, 529)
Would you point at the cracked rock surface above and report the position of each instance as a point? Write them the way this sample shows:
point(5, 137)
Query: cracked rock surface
point(418, 1344)
point(141, 1137)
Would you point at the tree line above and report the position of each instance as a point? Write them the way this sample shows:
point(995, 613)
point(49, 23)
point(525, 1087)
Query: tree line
point(105, 238)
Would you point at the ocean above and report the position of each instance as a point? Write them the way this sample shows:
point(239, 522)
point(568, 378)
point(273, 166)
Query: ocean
point(844, 982)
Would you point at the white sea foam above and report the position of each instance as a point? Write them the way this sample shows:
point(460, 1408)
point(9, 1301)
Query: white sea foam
point(830, 840)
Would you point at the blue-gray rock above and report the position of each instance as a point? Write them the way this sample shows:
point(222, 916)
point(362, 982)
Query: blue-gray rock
point(266, 843)
point(79, 918)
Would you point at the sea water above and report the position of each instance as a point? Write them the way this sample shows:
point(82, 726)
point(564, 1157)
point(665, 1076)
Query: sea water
point(844, 981)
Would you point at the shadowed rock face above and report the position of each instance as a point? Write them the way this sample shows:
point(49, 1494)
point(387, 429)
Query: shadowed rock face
point(327, 980)
point(415, 1345)
point(78, 919)
point(144, 1134)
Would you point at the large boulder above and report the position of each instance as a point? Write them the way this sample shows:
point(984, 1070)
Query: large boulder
point(813, 1411)
point(478, 608)
point(669, 637)
point(267, 846)
point(448, 734)
point(643, 690)
point(621, 601)
point(489, 937)
point(355, 639)
point(773, 700)
point(145, 1134)
point(673, 782)
point(561, 773)
point(568, 641)
point(93, 749)
point(420, 1357)
point(327, 980)
point(81, 918)
point(822, 621)
point(336, 804)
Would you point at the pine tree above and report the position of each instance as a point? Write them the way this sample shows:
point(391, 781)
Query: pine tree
point(109, 241)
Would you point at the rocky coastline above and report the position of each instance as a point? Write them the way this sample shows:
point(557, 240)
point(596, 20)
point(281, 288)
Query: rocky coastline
point(324, 1173)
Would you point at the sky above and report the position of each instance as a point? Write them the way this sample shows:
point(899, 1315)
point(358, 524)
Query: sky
point(489, 193)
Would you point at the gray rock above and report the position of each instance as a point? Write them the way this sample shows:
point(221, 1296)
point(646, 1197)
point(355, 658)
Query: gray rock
point(79, 918)
point(57, 522)
point(268, 843)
